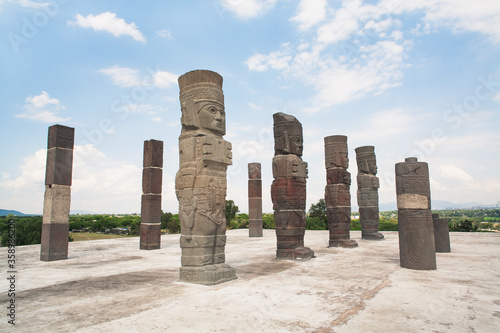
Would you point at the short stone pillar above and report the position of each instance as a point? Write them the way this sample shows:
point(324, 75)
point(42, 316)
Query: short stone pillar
point(368, 184)
point(57, 201)
point(151, 195)
point(337, 191)
point(254, 200)
point(441, 234)
point(288, 190)
point(200, 183)
point(416, 231)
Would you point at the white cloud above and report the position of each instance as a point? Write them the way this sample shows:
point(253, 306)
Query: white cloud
point(246, 9)
point(497, 97)
point(145, 108)
point(458, 15)
point(42, 108)
point(122, 76)
point(110, 23)
point(157, 119)
point(164, 79)
point(310, 13)
point(128, 77)
point(29, 3)
point(454, 172)
point(164, 33)
point(278, 60)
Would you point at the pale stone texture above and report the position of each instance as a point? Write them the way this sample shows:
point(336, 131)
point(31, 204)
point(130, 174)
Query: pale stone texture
point(150, 231)
point(254, 200)
point(416, 231)
point(288, 190)
point(201, 180)
point(368, 185)
point(57, 199)
point(337, 194)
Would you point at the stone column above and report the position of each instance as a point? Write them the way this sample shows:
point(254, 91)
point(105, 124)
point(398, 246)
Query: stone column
point(57, 201)
point(416, 231)
point(151, 195)
point(441, 234)
point(254, 200)
point(200, 183)
point(337, 195)
point(367, 193)
point(288, 190)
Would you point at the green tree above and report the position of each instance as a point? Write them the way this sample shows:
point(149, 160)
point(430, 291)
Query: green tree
point(315, 223)
point(319, 210)
point(268, 221)
point(231, 210)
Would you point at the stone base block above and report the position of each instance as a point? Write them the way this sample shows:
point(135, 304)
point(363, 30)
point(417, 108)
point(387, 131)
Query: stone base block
point(416, 239)
point(54, 241)
point(150, 237)
point(255, 228)
point(442, 235)
point(299, 253)
point(346, 243)
point(376, 236)
point(207, 275)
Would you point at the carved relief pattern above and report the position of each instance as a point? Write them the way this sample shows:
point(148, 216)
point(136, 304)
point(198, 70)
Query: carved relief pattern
point(288, 190)
point(201, 179)
point(416, 229)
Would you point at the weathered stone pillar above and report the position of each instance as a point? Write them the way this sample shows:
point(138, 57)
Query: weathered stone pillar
point(57, 201)
point(254, 200)
point(200, 183)
point(337, 195)
point(367, 193)
point(151, 195)
point(416, 230)
point(288, 190)
point(441, 234)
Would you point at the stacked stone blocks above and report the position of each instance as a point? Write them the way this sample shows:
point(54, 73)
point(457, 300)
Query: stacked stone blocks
point(254, 200)
point(151, 195)
point(57, 200)
point(416, 230)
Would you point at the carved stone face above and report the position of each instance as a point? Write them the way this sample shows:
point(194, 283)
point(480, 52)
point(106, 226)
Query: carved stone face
point(212, 117)
point(343, 160)
point(296, 145)
point(372, 166)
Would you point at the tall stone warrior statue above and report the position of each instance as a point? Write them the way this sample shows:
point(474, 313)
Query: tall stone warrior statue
point(337, 191)
point(200, 183)
point(288, 190)
point(416, 231)
point(367, 193)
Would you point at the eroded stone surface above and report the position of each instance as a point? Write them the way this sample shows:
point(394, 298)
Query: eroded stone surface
point(288, 190)
point(337, 194)
point(152, 175)
point(254, 200)
point(200, 183)
point(57, 199)
point(416, 231)
point(368, 185)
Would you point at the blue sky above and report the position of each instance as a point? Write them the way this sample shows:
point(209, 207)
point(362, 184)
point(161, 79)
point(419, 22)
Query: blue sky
point(412, 78)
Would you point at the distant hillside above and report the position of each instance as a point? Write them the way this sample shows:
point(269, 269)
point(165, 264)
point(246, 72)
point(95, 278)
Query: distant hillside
point(5, 212)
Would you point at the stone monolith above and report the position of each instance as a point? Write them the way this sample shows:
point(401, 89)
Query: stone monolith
point(416, 230)
point(57, 201)
point(151, 195)
point(441, 233)
point(288, 190)
point(337, 191)
point(200, 183)
point(368, 184)
point(254, 200)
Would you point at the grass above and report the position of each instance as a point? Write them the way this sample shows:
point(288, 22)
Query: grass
point(84, 236)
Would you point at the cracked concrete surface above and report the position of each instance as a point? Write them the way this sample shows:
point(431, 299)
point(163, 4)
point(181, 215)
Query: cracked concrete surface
point(112, 286)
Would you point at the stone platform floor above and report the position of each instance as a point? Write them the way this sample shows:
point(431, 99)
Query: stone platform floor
point(112, 286)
